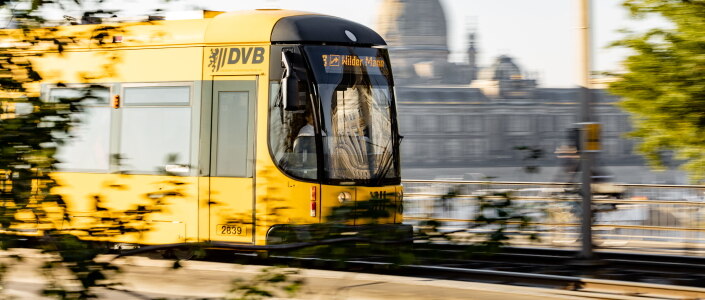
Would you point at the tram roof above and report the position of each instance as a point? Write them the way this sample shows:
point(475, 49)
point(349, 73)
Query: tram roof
point(237, 27)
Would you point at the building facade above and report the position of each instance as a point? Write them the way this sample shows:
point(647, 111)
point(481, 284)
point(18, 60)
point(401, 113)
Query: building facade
point(462, 115)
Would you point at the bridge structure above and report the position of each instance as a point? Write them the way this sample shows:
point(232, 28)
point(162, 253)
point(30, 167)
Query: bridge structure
point(667, 219)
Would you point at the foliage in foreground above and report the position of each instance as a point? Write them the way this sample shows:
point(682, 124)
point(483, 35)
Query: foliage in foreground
point(271, 282)
point(496, 219)
point(664, 83)
point(31, 130)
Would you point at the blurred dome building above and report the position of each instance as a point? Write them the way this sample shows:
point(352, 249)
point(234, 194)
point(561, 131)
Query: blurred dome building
point(502, 69)
point(418, 24)
point(504, 79)
point(417, 35)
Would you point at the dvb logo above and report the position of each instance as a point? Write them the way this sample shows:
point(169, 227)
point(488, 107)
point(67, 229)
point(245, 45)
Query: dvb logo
point(244, 55)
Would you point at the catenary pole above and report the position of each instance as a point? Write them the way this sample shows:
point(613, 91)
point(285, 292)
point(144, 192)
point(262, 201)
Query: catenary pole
point(586, 156)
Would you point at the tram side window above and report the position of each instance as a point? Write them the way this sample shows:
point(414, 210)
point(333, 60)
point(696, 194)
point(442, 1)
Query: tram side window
point(156, 129)
point(87, 148)
point(292, 138)
point(231, 145)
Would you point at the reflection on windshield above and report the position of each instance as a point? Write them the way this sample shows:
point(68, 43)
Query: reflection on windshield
point(359, 128)
point(356, 106)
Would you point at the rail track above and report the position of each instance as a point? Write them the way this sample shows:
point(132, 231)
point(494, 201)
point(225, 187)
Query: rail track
point(585, 287)
point(611, 276)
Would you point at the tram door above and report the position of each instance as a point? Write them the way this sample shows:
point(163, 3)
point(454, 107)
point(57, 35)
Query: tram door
point(231, 183)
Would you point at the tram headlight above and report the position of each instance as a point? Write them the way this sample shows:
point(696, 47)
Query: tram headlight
point(344, 196)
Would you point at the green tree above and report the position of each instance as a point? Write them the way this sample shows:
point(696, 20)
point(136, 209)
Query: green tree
point(664, 83)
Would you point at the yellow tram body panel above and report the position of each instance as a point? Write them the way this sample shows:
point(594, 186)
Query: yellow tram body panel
point(94, 199)
point(220, 60)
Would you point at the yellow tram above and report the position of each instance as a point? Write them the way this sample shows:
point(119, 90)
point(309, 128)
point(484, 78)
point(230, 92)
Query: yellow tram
point(244, 124)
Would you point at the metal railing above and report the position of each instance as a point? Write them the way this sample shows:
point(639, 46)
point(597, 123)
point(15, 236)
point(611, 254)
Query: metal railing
point(634, 217)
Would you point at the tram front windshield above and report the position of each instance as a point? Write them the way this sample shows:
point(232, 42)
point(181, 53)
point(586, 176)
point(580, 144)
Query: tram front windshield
point(357, 128)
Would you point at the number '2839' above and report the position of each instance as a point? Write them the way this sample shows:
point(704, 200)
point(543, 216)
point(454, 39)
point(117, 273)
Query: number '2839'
point(230, 230)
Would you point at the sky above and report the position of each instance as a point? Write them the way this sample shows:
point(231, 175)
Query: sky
point(541, 35)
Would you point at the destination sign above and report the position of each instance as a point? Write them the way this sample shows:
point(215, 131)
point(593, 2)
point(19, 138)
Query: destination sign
point(337, 63)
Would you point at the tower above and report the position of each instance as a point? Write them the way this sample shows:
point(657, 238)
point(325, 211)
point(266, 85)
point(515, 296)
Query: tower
point(472, 55)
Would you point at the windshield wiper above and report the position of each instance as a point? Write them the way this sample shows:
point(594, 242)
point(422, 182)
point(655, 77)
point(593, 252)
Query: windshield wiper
point(387, 161)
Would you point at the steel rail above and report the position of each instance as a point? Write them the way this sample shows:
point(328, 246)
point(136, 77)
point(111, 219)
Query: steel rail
point(665, 267)
point(573, 283)
point(562, 285)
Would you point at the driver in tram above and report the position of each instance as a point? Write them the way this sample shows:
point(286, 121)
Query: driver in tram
point(304, 146)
